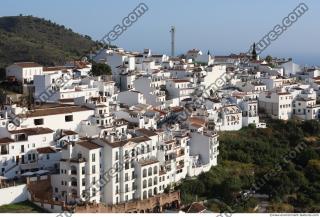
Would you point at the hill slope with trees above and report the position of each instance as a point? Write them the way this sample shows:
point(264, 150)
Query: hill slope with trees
point(267, 161)
point(28, 38)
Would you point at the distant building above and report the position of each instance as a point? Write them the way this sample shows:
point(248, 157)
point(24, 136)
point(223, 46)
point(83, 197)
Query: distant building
point(24, 72)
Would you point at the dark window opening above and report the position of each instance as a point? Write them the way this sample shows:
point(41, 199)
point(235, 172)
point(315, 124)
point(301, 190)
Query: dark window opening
point(38, 121)
point(68, 118)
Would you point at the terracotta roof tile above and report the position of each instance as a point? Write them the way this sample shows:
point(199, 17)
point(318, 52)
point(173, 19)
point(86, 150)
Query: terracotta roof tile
point(88, 144)
point(46, 150)
point(32, 131)
point(27, 64)
point(6, 140)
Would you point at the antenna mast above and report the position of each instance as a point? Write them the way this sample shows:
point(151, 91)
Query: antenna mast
point(173, 30)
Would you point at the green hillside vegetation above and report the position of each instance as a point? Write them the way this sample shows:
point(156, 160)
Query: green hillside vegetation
point(246, 156)
point(27, 38)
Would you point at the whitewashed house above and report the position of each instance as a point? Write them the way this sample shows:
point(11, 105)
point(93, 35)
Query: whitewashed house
point(24, 71)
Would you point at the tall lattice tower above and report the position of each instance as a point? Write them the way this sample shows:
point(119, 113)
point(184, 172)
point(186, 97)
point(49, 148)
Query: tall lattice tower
point(173, 31)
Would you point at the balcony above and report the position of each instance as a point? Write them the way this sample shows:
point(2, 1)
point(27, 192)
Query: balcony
point(74, 184)
point(29, 165)
point(180, 153)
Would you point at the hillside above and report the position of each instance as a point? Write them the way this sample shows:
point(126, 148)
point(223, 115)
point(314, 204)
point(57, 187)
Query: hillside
point(27, 38)
point(281, 161)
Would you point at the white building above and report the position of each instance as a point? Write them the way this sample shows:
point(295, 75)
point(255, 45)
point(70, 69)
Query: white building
point(179, 88)
point(278, 104)
point(79, 172)
point(27, 149)
point(24, 71)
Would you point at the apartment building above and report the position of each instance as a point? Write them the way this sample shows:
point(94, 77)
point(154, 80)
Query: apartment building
point(26, 150)
point(24, 72)
point(79, 172)
point(150, 86)
point(278, 104)
point(179, 88)
point(56, 116)
point(228, 118)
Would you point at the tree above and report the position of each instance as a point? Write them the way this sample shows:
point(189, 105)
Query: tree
point(311, 126)
point(101, 69)
point(313, 170)
point(229, 188)
point(269, 59)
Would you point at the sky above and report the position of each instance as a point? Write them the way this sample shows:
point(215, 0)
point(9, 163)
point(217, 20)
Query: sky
point(221, 26)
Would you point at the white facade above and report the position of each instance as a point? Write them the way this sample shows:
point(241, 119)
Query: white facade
point(277, 104)
point(24, 71)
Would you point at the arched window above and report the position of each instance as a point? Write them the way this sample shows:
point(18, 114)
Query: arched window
point(126, 165)
point(133, 153)
point(150, 193)
point(73, 170)
point(144, 183)
point(145, 195)
point(74, 193)
point(150, 171)
point(150, 182)
point(144, 172)
point(155, 191)
point(74, 182)
point(155, 170)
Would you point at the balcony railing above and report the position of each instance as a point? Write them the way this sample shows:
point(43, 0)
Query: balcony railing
point(29, 165)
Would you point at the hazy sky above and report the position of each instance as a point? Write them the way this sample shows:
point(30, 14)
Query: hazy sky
point(223, 27)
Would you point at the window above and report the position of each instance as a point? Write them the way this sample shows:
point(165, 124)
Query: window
point(74, 182)
point(155, 170)
point(48, 156)
point(93, 169)
point(93, 158)
point(83, 170)
point(22, 148)
point(38, 121)
point(68, 118)
point(126, 165)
